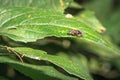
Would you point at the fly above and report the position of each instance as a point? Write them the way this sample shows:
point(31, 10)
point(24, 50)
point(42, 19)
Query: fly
point(75, 32)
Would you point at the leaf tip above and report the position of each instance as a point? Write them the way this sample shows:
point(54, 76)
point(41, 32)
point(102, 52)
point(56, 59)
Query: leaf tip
point(102, 29)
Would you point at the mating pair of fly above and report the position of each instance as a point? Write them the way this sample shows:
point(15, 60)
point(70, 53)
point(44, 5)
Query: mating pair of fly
point(75, 32)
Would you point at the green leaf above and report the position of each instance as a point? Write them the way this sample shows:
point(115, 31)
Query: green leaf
point(62, 62)
point(76, 58)
point(42, 4)
point(89, 18)
point(36, 72)
point(27, 24)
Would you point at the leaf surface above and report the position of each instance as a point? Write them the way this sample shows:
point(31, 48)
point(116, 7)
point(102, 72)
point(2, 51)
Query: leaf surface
point(59, 5)
point(62, 62)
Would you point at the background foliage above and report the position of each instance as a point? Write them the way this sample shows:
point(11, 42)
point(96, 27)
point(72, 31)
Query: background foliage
point(35, 43)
